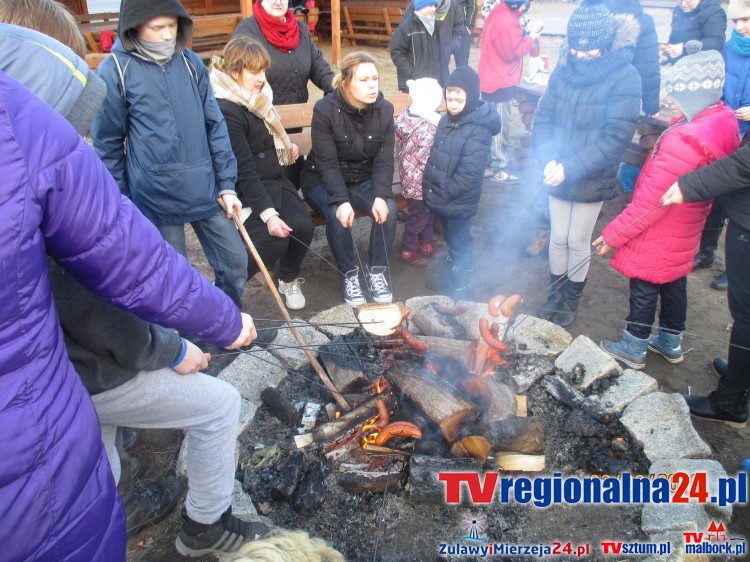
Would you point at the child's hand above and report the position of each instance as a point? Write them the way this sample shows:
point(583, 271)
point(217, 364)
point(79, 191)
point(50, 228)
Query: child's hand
point(554, 173)
point(247, 334)
point(295, 151)
point(673, 196)
point(602, 247)
point(380, 210)
point(743, 113)
point(232, 204)
point(675, 51)
point(194, 360)
point(345, 214)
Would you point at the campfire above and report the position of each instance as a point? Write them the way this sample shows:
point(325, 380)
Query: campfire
point(437, 396)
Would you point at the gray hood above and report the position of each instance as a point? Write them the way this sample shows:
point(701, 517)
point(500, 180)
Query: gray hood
point(53, 72)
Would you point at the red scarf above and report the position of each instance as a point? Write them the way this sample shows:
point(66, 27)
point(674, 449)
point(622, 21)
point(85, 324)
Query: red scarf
point(283, 35)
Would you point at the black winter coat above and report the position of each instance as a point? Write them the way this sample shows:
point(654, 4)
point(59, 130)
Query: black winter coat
point(260, 177)
point(453, 176)
point(646, 58)
point(728, 180)
point(452, 28)
point(588, 127)
point(707, 23)
point(417, 54)
point(350, 146)
point(290, 70)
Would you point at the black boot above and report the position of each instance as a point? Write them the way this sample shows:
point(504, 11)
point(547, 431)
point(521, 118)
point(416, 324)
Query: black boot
point(556, 294)
point(569, 305)
point(445, 280)
point(726, 404)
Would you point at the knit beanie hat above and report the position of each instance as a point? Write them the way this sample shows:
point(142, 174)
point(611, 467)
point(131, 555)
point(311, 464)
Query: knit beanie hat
point(696, 81)
point(419, 4)
point(426, 97)
point(738, 9)
point(467, 79)
point(591, 27)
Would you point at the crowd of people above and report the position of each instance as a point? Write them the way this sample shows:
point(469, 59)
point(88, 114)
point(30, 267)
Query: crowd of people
point(101, 310)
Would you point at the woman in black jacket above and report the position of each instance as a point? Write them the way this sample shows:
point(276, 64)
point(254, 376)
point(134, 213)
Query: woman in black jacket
point(279, 224)
point(700, 20)
point(585, 121)
point(351, 166)
point(727, 180)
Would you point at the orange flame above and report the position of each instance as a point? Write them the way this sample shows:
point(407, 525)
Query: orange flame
point(481, 359)
point(431, 367)
point(369, 431)
point(381, 384)
point(338, 415)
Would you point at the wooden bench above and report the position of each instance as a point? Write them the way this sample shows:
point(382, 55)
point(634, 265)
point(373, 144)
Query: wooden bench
point(211, 33)
point(299, 115)
point(91, 26)
point(369, 23)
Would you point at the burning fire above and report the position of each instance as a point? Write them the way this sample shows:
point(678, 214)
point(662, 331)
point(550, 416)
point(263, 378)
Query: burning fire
point(381, 384)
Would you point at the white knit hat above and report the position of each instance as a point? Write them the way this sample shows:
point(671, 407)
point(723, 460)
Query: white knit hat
point(426, 96)
point(738, 9)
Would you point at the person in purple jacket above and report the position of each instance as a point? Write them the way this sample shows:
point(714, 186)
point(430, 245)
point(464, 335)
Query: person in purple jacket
point(56, 488)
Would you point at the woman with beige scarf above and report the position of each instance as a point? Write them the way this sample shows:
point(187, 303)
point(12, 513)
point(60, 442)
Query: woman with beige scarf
point(279, 224)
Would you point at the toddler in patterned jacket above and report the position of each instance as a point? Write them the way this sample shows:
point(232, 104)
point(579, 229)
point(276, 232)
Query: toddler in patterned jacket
point(415, 129)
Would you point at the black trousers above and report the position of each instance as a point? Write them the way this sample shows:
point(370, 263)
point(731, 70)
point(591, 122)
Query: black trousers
point(287, 251)
point(738, 294)
point(712, 229)
point(644, 297)
point(457, 236)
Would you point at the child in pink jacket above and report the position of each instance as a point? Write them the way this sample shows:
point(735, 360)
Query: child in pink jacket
point(415, 129)
point(656, 244)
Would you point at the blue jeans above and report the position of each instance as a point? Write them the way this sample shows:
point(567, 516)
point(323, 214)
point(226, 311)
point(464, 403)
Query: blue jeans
point(223, 247)
point(340, 239)
point(643, 300)
point(457, 235)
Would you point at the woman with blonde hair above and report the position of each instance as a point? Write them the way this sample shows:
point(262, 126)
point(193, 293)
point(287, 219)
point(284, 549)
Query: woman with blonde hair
point(45, 16)
point(350, 167)
point(279, 224)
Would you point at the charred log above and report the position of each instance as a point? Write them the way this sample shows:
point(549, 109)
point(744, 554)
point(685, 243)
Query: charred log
point(285, 485)
point(279, 406)
point(362, 482)
point(424, 486)
point(573, 398)
point(519, 435)
point(311, 493)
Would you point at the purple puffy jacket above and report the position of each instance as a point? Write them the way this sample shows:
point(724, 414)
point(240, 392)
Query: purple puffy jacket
point(57, 496)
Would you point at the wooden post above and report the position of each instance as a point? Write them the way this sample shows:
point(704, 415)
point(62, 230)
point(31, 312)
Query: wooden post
point(335, 32)
point(246, 8)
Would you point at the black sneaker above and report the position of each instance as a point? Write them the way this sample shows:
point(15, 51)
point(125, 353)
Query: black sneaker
point(353, 295)
point(720, 283)
point(379, 289)
point(703, 259)
point(152, 504)
point(226, 535)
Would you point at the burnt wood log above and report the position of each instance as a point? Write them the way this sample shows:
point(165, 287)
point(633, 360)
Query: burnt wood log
point(476, 446)
point(432, 323)
point(311, 493)
point(497, 400)
point(363, 482)
point(279, 406)
point(436, 398)
point(447, 347)
point(285, 485)
point(424, 486)
point(343, 367)
point(352, 418)
point(519, 435)
point(519, 462)
point(573, 398)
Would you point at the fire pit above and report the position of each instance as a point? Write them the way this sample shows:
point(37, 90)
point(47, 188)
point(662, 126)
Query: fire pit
point(441, 394)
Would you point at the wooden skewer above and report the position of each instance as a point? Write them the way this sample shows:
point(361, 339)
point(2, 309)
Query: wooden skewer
point(274, 291)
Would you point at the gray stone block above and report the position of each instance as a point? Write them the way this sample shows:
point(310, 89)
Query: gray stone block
point(713, 470)
point(661, 424)
point(662, 517)
point(416, 304)
point(251, 372)
point(528, 370)
point(342, 314)
point(286, 348)
point(595, 363)
point(677, 553)
point(629, 386)
point(538, 337)
point(470, 319)
point(242, 505)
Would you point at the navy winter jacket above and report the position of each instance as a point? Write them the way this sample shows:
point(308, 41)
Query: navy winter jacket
point(707, 24)
point(178, 156)
point(453, 176)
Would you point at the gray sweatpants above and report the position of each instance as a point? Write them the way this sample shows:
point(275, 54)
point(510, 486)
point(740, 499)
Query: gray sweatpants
point(208, 409)
point(571, 226)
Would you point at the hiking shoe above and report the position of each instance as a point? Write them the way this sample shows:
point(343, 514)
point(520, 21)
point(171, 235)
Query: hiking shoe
point(265, 336)
point(504, 177)
point(629, 350)
point(539, 243)
point(379, 289)
point(152, 504)
point(224, 536)
point(668, 345)
point(720, 283)
point(413, 258)
point(129, 438)
point(294, 297)
point(353, 295)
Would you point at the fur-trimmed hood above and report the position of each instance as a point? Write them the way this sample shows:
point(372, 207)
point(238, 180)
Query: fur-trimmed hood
point(627, 30)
